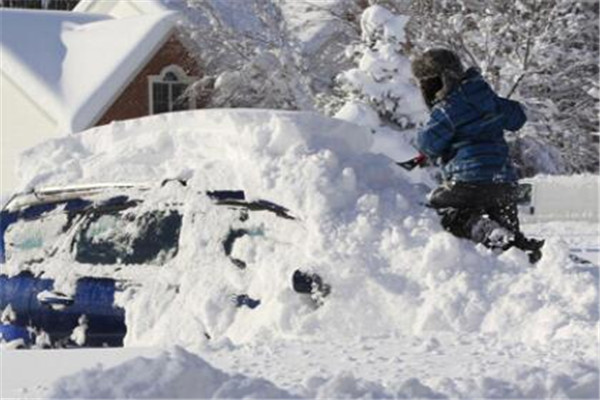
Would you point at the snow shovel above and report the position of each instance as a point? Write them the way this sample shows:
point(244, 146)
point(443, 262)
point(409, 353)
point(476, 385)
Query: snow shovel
point(411, 164)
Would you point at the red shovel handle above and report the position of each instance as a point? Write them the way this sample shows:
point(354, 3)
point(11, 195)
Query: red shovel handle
point(411, 164)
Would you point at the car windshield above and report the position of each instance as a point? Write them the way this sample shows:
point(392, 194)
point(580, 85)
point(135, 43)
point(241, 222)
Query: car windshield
point(128, 237)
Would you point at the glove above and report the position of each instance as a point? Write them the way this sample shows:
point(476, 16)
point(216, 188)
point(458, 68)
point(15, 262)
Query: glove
point(419, 161)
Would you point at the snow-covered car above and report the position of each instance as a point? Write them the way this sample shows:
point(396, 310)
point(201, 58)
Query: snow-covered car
point(108, 228)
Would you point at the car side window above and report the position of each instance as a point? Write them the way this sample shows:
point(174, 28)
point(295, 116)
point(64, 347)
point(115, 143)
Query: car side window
point(128, 237)
point(33, 240)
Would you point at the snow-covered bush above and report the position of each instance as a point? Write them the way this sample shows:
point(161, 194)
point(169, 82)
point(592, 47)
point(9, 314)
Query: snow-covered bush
point(381, 78)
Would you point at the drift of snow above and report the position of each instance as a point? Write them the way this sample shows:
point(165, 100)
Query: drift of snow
point(180, 374)
point(361, 226)
point(174, 374)
point(377, 367)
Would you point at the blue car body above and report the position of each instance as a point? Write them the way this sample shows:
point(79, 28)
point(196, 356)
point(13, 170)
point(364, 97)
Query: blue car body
point(57, 315)
point(36, 304)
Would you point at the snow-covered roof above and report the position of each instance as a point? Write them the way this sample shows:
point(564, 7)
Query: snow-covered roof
point(73, 64)
point(122, 7)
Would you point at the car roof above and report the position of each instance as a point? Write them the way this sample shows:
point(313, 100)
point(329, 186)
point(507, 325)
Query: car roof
point(46, 195)
point(36, 202)
point(99, 191)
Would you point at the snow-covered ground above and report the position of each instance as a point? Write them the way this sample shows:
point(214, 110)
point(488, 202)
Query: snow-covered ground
point(414, 312)
point(428, 366)
point(583, 238)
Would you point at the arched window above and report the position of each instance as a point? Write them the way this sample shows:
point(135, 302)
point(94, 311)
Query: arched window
point(167, 90)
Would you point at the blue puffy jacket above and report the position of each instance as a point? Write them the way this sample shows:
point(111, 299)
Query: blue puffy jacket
point(466, 130)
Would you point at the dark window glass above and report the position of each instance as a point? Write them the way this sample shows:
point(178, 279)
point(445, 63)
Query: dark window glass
point(160, 97)
point(128, 238)
point(180, 100)
point(170, 77)
point(169, 95)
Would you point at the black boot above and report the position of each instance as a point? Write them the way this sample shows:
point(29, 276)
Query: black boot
point(532, 247)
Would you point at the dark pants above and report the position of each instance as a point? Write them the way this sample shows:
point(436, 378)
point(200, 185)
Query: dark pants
point(462, 205)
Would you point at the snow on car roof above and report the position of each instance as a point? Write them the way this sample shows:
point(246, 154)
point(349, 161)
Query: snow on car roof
point(64, 193)
point(72, 64)
point(54, 194)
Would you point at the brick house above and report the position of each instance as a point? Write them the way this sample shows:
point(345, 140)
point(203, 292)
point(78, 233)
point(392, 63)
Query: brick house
point(159, 86)
point(64, 72)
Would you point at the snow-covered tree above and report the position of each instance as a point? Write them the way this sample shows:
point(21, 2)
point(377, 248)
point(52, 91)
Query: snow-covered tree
point(542, 52)
point(324, 28)
point(268, 53)
point(250, 59)
point(381, 79)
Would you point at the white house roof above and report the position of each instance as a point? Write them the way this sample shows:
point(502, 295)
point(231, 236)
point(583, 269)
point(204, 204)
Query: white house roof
point(74, 64)
point(118, 8)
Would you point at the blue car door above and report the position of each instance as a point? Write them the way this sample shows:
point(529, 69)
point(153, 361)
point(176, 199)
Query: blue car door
point(100, 238)
point(23, 243)
point(91, 309)
point(16, 292)
point(30, 237)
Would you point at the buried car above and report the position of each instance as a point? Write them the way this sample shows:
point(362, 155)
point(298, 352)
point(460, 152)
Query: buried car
point(110, 228)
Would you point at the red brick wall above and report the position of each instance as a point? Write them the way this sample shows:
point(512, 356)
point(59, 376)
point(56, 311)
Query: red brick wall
point(133, 101)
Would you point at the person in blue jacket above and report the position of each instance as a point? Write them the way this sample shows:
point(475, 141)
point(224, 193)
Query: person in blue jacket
point(465, 134)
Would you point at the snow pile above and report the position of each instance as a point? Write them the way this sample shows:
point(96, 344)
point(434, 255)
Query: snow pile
point(180, 374)
point(173, 374)
point(361, 227)
point(392, 269)
point(265, 373)
point(360, 224)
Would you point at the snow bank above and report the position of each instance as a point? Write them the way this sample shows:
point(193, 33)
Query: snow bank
point(180, 374)
point(361, 226)
point(177, 373)
point(173, 374)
